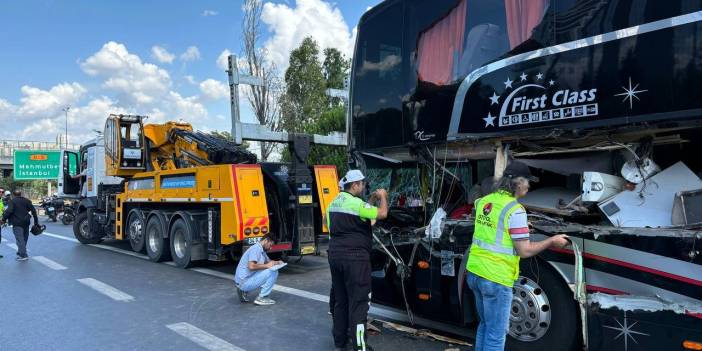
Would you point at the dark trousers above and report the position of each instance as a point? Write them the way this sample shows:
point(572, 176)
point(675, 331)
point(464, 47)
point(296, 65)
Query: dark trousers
point(21, 236)
point(351, 283)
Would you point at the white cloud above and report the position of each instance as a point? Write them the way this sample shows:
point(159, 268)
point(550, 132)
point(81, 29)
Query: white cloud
point(161, 54)
point(223, 59)
point(316, 18)
point(40, 103)
point(192, 53)
point(207, 13)
point(214, 90)
point(190, 79)
point(137, 82)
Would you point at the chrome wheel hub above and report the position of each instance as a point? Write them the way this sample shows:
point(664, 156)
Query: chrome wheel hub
point(530, 314)
point(179, 244)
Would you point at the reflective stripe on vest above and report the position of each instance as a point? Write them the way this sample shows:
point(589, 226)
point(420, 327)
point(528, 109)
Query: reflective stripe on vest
point(497, 246)
point(492, 253)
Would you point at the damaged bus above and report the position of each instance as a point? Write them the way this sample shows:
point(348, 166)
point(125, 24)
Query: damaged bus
point(601, 99)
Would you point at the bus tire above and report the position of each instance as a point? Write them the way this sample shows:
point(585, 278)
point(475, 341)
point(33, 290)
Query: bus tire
point(156, 240)
point(544, 314)
point(181, 243)
point(81, 229)
point(136, 227)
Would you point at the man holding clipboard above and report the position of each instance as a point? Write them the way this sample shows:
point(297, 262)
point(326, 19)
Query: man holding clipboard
point(256, 270)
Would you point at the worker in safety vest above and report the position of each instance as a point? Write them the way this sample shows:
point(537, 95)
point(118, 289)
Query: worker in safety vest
point(501, 237)
point(349, 220)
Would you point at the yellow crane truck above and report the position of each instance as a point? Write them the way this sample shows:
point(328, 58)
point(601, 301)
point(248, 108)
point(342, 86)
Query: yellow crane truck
point(189, 196)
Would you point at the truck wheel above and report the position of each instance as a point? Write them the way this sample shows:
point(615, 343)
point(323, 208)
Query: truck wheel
point(136, 227)
point(81, 230)
point(544, 314)
point(156, 244)
point(181, 243)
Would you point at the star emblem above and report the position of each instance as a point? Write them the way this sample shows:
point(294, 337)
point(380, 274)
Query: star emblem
point(489, 120)
point(626, 330)
point(539, 76)
point(494, 99)
point(508, 83)
point(630, 94)
point(551, 82)
point(523, 76)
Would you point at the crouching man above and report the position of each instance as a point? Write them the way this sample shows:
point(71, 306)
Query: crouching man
point(253, 272)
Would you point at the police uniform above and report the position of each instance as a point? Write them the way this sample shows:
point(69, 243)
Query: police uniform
point(349, 222)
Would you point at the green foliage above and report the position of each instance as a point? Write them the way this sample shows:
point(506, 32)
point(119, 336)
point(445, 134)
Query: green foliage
point(335, 67)
point(304, 98)
point(305, 107)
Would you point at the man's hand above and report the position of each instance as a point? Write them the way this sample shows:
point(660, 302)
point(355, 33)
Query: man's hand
point(272, 263)
point(560, 241)
point(381, 193)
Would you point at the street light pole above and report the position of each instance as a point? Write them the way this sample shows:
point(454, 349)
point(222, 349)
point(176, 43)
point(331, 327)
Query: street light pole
point(65, 110)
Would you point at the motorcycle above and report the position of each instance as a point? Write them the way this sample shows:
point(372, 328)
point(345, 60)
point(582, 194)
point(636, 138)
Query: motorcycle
point(51, 207)
point(68, 214)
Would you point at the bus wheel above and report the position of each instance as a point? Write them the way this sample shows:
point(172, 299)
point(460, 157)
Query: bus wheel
point(181, 243)
point(543, 314)
point(136, 227)
point(81, 230)
point(156, 240)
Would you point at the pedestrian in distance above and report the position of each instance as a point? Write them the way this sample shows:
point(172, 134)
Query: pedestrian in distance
point(500, 239)
point(256, 270)
point(17, 214)
point(349, 220)
point(2, 210)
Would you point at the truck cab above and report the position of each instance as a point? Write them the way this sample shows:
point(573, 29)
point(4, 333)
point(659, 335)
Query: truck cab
point(88, 161)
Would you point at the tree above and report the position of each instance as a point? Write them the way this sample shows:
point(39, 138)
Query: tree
point(228, 137)
point(304, 98)
point(262, 99)
point(331, 120)
point(335, 68)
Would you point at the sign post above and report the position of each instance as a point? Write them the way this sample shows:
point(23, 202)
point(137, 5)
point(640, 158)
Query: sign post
point(36, 164)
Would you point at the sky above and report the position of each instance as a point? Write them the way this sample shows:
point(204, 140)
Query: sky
point(160, 58)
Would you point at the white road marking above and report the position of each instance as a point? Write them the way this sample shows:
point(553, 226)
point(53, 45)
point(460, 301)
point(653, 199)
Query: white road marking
point(106, 290)
point(49, 263)
point(60, 237)
point(378, 311)
point(202, 337)
point(13, 246)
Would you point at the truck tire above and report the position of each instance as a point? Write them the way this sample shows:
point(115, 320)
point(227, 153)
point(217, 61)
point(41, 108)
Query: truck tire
point(181, 243)
point(136, 227)
point(544, 314)
point(81, 231)
point(156, 241)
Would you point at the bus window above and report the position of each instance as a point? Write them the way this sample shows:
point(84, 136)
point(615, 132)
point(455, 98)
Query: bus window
point(473, 33)
point(378, 78)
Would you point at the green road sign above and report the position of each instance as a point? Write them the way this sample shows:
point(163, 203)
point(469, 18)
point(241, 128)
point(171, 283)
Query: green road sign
point(34, 164)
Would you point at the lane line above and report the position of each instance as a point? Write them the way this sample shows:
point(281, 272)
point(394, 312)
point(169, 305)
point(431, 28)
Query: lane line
point(60, 237)
point(106, 290)
point(49, 263)
point(202, 337)
point(389, 313)
point(13, 246)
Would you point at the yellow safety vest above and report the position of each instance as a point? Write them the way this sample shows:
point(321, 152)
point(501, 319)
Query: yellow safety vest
point(492, 255)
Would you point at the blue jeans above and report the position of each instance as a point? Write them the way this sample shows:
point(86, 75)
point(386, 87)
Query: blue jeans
point(264, 279)
point(493, 303)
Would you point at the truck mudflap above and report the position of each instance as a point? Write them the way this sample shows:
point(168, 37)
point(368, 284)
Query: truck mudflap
point(625, 322)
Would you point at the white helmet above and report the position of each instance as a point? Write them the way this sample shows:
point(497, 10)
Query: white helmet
point(7, 193)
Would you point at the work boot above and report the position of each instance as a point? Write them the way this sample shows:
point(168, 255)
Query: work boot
point(22, 258)
point(243, 297)
point(264, 301)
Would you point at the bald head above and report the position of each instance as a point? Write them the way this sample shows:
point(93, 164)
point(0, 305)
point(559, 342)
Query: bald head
point(17, 193)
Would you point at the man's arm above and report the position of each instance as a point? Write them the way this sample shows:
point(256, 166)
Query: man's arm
point(255, 266)
point(527, 248)
point(8, 211)
point(34, 212)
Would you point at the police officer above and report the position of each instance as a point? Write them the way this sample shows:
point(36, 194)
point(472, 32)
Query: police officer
point(500, 239)
point(349, 220)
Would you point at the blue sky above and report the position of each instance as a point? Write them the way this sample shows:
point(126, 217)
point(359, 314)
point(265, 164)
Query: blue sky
point(153, 57)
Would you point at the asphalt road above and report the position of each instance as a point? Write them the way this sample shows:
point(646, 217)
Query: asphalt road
point(70, 296)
